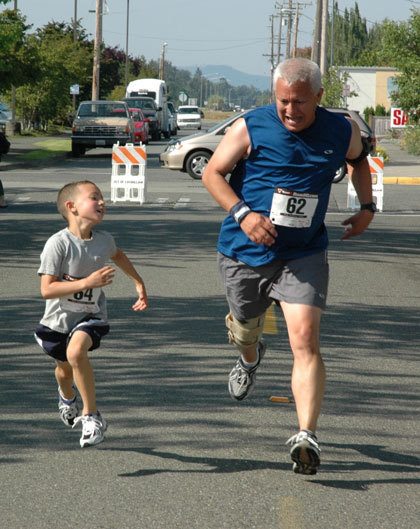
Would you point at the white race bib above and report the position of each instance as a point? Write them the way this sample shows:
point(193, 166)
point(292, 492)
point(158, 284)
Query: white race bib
point(292, 209)
point(83, 301)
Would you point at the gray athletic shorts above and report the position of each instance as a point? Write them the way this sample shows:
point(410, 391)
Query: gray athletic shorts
point(251, 290)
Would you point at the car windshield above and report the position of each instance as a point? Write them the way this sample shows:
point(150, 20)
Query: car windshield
point(147, 104)
point(188, 110)
point(88, 110)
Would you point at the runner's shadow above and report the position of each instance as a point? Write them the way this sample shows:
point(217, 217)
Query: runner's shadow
point(212, 465)
point(386, 461)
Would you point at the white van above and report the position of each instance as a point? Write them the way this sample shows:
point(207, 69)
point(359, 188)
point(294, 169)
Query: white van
point(155, 88)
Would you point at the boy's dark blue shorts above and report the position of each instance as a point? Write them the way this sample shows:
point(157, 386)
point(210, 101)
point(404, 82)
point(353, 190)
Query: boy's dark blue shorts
point(55, 343)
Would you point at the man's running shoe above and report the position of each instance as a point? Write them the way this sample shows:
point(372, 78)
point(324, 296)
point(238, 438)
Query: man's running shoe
point(67, 409)
point(241, 379)
point(93, 429)
point(304, 452)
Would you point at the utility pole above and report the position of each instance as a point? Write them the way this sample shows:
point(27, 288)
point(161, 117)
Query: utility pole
point(280, 32)
point(13, 94)
point(272, 54)
point(332, 35)
point(296, 31)
point(74, 40)
point(97, 50)
point(315, 56)
point(289, 29)
point(126, 43)
point(162, 62)
point(323, 62)
point(75, 22)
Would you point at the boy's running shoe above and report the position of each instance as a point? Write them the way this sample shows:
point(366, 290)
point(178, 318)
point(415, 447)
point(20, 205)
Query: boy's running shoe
point(242, 379)
point(304, 452)
point(68, 410)
point(93, 429)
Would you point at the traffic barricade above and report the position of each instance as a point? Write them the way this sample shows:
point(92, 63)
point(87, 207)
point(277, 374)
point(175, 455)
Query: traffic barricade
point(376, 167)
point(128, 177)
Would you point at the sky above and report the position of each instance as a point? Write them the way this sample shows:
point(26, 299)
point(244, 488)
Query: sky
point(235, 33)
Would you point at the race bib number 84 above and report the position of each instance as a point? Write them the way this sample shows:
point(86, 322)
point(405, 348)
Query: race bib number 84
point(83, 301)
point(292, 209)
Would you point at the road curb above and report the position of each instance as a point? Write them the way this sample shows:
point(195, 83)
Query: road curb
point(402, 180)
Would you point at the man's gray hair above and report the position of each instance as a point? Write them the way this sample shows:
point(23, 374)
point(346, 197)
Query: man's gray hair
point(298, 69)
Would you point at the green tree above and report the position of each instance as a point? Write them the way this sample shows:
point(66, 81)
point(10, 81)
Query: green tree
point(62, 63)
point(17, 58)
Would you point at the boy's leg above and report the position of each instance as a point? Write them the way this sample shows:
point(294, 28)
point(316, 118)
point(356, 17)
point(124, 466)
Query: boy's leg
point(77, 356)
point(64, 377)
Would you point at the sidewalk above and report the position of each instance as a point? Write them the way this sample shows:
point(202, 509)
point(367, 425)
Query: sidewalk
point(33, 151)
point(402, 168)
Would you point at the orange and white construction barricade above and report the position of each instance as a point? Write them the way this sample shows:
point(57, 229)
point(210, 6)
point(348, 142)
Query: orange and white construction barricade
point(376, 166)
point(128, 178)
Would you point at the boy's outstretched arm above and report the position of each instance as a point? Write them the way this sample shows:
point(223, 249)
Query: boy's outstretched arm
point(123, 262)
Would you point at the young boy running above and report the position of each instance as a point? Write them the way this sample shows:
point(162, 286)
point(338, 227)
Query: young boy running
point(73, 271)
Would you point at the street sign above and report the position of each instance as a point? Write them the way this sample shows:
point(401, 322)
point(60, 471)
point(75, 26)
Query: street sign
point(183, 97)
point(74, 89)
point(399, 118)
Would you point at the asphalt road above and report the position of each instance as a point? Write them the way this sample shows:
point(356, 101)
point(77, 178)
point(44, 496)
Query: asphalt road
point(179, 453)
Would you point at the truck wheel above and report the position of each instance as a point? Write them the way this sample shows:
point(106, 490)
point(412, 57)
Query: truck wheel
point(196, 163)
point(77, 149)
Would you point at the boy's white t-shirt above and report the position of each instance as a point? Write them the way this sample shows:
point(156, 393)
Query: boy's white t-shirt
point(70, 258)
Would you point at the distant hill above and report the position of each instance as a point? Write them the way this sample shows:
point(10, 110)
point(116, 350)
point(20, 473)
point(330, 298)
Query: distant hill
point(233, 77)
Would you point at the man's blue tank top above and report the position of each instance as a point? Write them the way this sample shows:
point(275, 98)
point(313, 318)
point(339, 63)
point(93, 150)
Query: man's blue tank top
point(303, 162)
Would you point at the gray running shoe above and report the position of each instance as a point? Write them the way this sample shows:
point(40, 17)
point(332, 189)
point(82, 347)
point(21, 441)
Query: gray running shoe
point(93, 429)
point(241, 379)
point(68, 411)
point(304, 452)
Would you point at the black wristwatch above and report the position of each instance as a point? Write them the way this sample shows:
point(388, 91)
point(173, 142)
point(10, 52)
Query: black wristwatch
point(370, 207)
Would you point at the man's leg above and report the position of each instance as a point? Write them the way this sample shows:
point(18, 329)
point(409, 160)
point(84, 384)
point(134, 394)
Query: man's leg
point(308, 383)
point(308, 375)
point(246, 335)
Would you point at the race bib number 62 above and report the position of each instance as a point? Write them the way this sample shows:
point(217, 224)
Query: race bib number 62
point(292, 209)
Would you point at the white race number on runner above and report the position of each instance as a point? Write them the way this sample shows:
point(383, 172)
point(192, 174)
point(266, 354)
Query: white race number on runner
point(292, 209)
point(83, 301)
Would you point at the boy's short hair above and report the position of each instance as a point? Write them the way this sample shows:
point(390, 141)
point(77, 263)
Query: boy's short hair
point(68, 192)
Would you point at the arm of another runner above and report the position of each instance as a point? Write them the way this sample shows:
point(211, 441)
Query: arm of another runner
point(362, 182)
point(124, 263)
point(234, 146)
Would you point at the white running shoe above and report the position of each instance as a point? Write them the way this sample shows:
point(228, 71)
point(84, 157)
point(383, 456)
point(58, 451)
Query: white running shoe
point(241, 379)
point(68, 410)
point(304, 452)
point(93, 429)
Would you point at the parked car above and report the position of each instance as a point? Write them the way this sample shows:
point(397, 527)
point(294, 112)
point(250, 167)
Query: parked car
point(150, 110)
point(192, 153)
point(368, 137)
point(5, 116)
point(101, 124)
point(141, 126)
point(188, 117)
point(172, 119)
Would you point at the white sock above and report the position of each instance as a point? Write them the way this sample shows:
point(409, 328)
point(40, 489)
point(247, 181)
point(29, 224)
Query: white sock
point(250, 365)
